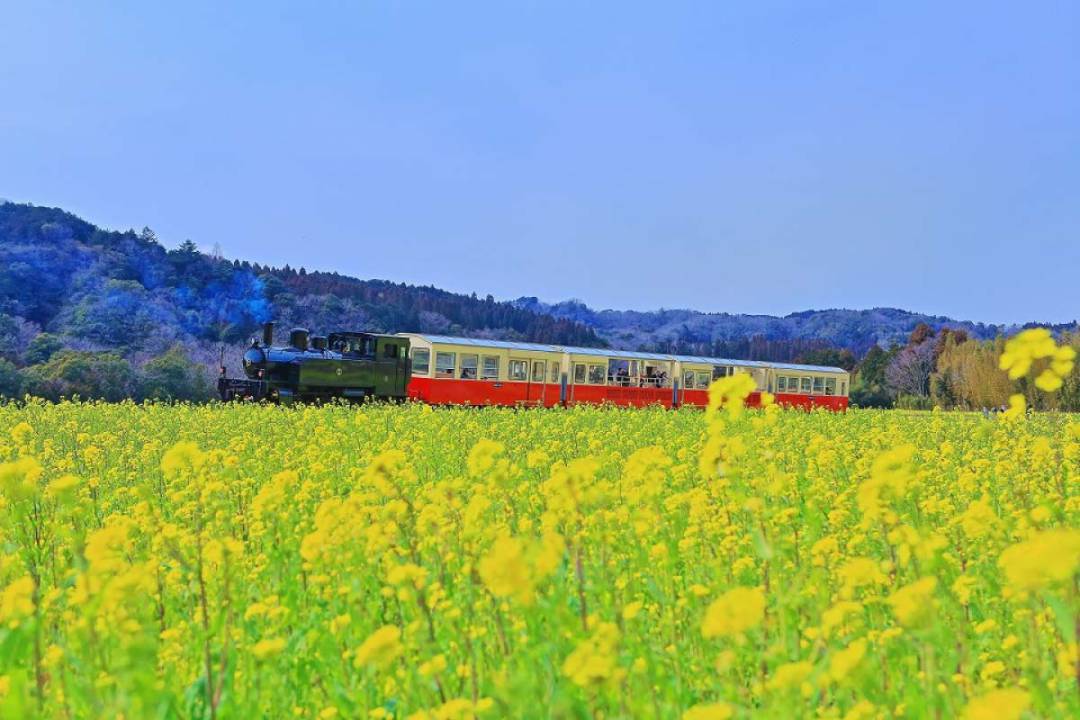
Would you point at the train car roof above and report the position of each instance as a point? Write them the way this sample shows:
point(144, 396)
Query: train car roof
point(611, 352)
point(760, 364)
point(483, 343)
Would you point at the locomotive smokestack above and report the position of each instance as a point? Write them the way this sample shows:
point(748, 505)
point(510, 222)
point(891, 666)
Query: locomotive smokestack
point(268, 334)
point(298, 338)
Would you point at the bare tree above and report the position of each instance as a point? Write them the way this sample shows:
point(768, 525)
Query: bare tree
point(909, 372)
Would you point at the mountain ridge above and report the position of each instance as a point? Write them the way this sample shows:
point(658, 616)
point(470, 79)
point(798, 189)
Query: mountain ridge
point(853, 329)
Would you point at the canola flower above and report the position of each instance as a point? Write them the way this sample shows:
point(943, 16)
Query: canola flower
point(407, 562)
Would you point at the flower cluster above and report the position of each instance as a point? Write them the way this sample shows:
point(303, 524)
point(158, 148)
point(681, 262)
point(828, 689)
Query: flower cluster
point(1031, 346)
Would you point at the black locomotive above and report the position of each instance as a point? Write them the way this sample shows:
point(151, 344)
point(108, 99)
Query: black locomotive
point(352, 365)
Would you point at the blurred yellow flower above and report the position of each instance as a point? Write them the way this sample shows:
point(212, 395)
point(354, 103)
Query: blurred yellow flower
point(594, 660)
point(914, 604)
point(1049, 557)
point(734, 612)
point(268, 648)
point(381, 648)
point(790, 675)
point(1008, 704)
point(709, 711)
point(843, 662)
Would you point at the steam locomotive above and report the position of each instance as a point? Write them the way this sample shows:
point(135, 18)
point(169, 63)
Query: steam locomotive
point(442, 370)
point(351, 365)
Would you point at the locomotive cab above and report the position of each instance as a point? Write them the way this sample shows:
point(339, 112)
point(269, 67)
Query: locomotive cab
point(352, 345)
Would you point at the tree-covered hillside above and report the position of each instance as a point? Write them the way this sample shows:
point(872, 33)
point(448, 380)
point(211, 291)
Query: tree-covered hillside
point(67, 286)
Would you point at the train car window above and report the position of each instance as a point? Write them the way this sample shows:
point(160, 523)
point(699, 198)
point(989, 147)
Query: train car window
point(688, 380)
point(554, 372)
point(596, 374)
point(519, 370)
point(421, 361)
point(491, 368)
point(390, 351)
point(843, 387)
point(830, 386)
point(468, 366)
point(579, 374)
point(444, 364)
point(620, 372)
point(806, 385)
point(538, 371)
point(781, 384)
point(703, 380)
point(819, 385)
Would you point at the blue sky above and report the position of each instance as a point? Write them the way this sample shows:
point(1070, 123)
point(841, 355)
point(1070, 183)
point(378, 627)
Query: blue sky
point(758, 157)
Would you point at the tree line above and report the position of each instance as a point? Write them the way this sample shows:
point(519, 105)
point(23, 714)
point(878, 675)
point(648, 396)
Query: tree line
point(948, 369)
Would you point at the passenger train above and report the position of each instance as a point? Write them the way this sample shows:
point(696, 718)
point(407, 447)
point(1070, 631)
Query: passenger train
point(469, 371)
point(443, 370)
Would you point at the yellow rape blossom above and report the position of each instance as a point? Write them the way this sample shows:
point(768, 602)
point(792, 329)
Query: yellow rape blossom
point(594, 661)
point(843, 662)
point(709, 711)
point(16, 601)
point(1049, 557)
point(1007, 704)
point(268, 648)
point(913, 604)
point(734, 612)
point(381, 648)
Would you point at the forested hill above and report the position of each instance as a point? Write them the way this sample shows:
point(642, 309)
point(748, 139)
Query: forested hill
point(72, 285)
point(760, 337)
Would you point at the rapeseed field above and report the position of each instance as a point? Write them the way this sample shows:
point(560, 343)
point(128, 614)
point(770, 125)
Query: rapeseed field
point(251, 561)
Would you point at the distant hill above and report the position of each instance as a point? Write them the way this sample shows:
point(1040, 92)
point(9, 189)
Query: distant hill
point(765, 337)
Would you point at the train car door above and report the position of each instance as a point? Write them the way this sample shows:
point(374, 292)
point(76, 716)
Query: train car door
point(537, 384)
point(518, 375)
point(390, 366)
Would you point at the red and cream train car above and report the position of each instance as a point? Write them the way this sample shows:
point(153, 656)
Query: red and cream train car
point(470, 371)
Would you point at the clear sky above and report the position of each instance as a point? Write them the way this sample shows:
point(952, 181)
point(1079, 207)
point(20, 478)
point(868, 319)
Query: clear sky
point(758, 157)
